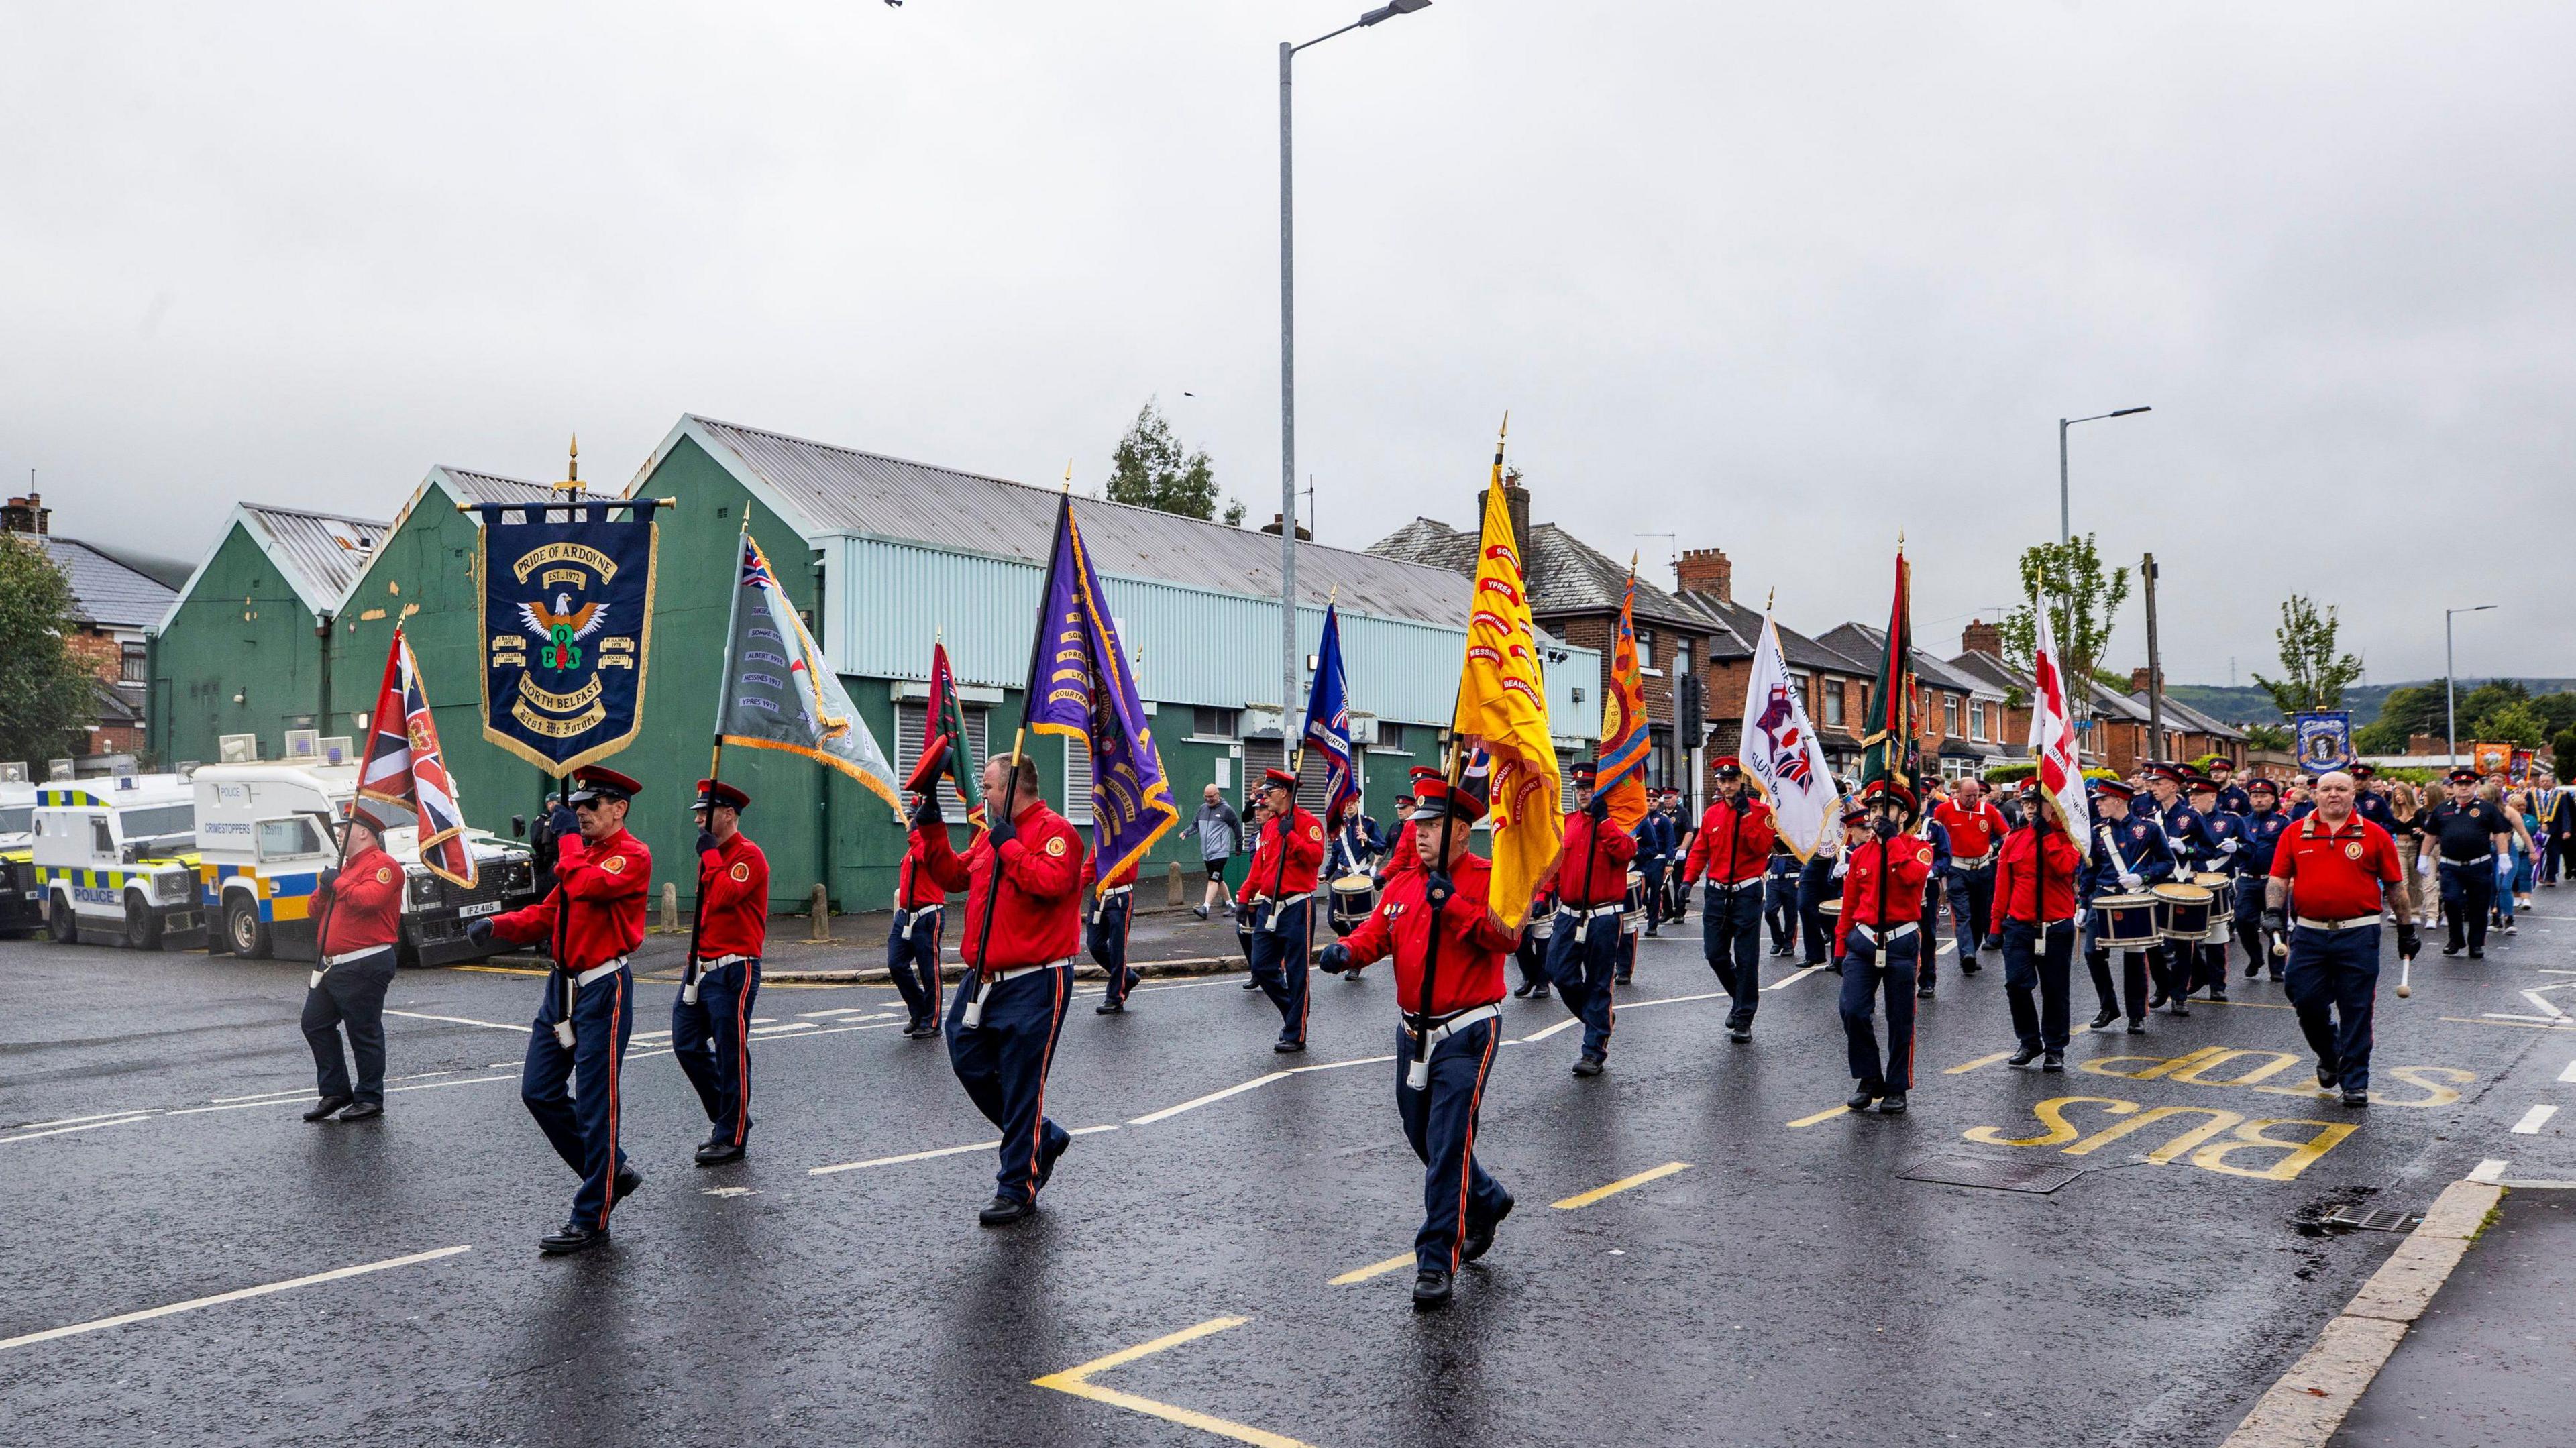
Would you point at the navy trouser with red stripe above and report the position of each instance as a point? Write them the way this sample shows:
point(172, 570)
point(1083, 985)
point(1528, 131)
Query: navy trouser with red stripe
point(912, 958)
point(711, 1036)
point(1581, 957)
point(1279, 956)
point(2333, 981)
point(582, 1124)
point(1002, 1062)
point(1867, 968)
point(1108, 943)
point(1440, 1122)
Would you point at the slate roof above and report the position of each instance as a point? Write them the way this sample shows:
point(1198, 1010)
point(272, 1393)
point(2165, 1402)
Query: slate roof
point(105, 592)
point(2179, 715)
point(1860, 641)
point(2102, 702)
point(823, 489)
point(1566, 575)
point(1744, 624)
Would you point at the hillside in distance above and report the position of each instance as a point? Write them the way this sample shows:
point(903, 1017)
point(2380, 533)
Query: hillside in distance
point(2248, 704)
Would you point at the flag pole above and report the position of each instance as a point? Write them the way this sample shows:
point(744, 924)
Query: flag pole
point(715, 765)
point(322, 927)
point(1028, 703)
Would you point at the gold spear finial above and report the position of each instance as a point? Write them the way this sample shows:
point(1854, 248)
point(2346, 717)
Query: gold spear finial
point(572, 467)
point(1769, 599)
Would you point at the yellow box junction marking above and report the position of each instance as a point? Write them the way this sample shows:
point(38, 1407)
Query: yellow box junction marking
point(1828, 1114)
point(1964, 1067)
point(1077, 1381)
point(1374, 1269)
point(2210, 1144)
point(1585, 1199)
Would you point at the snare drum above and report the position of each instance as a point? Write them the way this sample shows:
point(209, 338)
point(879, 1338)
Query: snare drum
point(2182, 911)
point(1830, 909)
point(2222, 905)
point(1636, 900)
point(1353, 897)
point(2128, 921)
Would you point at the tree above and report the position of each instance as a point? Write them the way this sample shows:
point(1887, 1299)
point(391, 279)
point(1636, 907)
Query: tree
point(2516, 723)
point(47, 696)
point(2271, 736)
point(2562, 750)
point(1151, 470)
point(2313, 675)
point(2558, 711)
point(2402, 715)
point(2083, 602)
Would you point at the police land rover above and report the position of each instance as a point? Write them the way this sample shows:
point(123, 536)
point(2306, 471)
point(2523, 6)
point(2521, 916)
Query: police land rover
point(267, 831)
point(115, 859)
point(22, 905)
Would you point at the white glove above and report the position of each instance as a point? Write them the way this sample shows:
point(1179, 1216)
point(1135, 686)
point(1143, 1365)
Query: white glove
point(2131, 883)
point(1839, 867)
point(2228, 847)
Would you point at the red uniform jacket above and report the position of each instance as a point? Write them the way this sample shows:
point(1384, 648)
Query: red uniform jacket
point(915, 887)
point(1972, 831)
point(1608, 860)
point(607, 884)
point(1909, 862)
point(364, 904)
point(1304, 845)
point(1038, 918)
point(733, 883)
point(1471, 949)
point(1733, 844)
point(2019, 892)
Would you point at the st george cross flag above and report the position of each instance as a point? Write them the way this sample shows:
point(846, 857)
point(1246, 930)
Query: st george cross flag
point(1502, 710)
point(1080, 687)
point(1782, 753)
point(780, 692)
point(2052, 731)
point(1624, 737)
point(1328, 723)
point(402, 767)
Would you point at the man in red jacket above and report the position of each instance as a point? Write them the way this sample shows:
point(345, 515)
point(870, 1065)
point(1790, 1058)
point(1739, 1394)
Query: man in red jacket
point(2035, 896)
point(1023, 921)
point(711, 1016)
point(1976, 829)
point(1732, 848)
point(1276, 903)
point(592, 921)
point(920, 919)
point(1591, 878)
point(1462, 1014)
point(1877, 938)
point(358, 909)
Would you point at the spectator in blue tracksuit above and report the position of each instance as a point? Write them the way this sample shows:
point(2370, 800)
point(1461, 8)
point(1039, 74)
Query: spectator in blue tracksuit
point(2263, 826)
point(2143, 860)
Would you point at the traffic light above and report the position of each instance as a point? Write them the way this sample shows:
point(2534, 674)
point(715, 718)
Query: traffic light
point(1694, 726)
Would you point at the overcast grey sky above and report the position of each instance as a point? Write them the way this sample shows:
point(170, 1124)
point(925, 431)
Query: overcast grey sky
point(1774, 278)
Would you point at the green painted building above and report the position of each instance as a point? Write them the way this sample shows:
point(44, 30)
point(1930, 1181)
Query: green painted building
point(884, 557)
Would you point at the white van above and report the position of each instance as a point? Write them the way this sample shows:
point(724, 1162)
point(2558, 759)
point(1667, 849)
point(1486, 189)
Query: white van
point(116, 859)
point(22, 905)
point(267, 831)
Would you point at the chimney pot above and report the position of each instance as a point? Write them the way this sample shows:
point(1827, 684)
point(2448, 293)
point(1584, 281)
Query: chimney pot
point(1706, 570)
point(1981, 637)
point(2138, 680)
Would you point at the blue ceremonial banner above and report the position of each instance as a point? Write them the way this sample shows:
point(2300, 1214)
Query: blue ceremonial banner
point(567, 626)
point(2325, 739)
point(1328, 723)
point(1080, 687)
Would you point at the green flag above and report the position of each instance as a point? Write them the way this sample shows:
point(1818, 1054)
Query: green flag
point(1892, 752)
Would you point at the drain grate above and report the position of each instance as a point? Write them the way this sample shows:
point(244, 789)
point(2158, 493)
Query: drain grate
point(1994, 1173)
point(2381, 1219)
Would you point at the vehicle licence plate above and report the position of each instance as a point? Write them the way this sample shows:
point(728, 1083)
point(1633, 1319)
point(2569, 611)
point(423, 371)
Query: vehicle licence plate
point(488, 907)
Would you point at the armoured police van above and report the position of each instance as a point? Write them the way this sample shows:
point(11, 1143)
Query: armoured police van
point(22, 905)
point(267, 831)
point(115, 859)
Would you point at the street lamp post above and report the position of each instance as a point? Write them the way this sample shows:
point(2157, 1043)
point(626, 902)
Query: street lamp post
point(2066, 533)
point(2450, 693)
point(1288, 659)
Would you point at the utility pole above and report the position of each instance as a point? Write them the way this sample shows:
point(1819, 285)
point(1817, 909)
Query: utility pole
point(2155, 665)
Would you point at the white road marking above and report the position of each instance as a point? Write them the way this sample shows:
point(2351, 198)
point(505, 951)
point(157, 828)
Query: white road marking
point(900, 1160)
point(1091, 1130)
point(789, 1028)
point(67, 1130)
point(520, 1029)
point(76, 1120)
point(2534, 1119)
point(1793, 978)
point(728, 1191)
point(2534, 997)
point(2568, 1075)
point(2489, 1170)
point(220, 1298)
point(263, 1095)
point(1168, 1112)
point(1569, 1023)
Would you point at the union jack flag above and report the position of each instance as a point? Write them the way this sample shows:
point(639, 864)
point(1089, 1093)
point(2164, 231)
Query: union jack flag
point(403, 767)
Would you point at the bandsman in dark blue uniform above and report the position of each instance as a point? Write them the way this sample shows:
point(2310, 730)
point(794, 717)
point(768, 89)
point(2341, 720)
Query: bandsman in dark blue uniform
point(1591, 880)
point(2225, 834)
point(1113, 907)
point(2127, 855)
point(2263, 826)
point(2470, 834)
point(1780, 898)
point(2231, 798)
point(2187, 835)
point(2367, 801)
point(1655, 839)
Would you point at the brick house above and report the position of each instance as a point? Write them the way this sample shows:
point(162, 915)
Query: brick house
point(113, 603)
point(1833, 686)
point(1575, 592)
point(2114, 729)
point(1962, 714)
point(2190, 734)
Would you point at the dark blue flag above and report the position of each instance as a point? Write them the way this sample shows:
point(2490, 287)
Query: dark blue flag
point(1080, 687)
point(567, 624)
point(1328, 723)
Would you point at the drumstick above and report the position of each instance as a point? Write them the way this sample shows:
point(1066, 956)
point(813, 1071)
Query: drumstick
point(2405, 968)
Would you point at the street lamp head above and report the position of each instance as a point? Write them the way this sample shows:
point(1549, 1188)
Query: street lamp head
point(1392, 9)
point(2131, 411)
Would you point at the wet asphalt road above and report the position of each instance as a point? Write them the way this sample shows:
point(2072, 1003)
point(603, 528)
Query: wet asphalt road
point(1782, 1284)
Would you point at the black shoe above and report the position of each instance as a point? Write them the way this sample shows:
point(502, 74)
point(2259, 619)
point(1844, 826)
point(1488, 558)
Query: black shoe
point(2450, 950)
point(1481, 1235)
point(1862, 1095)
point(2327, 1077)
point(328, 1106)
point(2356, 1099)
point(2253, 968)
point(1652, 932)
point(1110, 1008)
point(716, 1153)
point(1047, 1159)
point(2181, 1009)
point(1923, 992)
point(1430, 1289)
point(1001, 1211)
point(571, 1237)
point(2023, 1057)
point(2477, 952)
point(1740, 1033)
point(1521, 992)
point(2137, 1028)
point(1892, 1104)
point(362, 1110)
point(2217, 996)
point(2156, 1001)
point(2053, 1061)
point(926, 1031)
point(1287, 1048)
point(1539, 994)
point(2276, 977)
point(1589, 1065)
point(1623, 980)
point(1968, 965)
point(2104, 1021)
point(628, 1180)
point(1250, 984)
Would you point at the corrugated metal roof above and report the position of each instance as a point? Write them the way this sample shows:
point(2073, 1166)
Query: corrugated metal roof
point(474, 487)
point(827, 489)
point(104, 591)
point(324, 552)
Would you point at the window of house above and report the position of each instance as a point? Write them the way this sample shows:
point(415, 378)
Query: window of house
point(1834, 704)
point(1977, 719)
point(1681, 657)
point(1207, 722)
point(1950, 714)
point(1390, 735)
point(1645, 648)
point(132, 668)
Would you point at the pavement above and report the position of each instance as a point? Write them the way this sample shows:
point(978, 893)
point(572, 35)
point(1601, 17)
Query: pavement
point(1707, 1249)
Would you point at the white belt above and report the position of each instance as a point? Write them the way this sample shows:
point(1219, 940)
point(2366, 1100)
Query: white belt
point(1593, 912)
point(2354, 923)
point(1875, 935)
point(986, 980)
point(1461, 1021)
point(2480, 860)
point(563, 1028)
point(1738, 885)
point(1976, 862)
point(1282, 903)
point(698, 969)
point(1116, 890)
point(344, 957)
